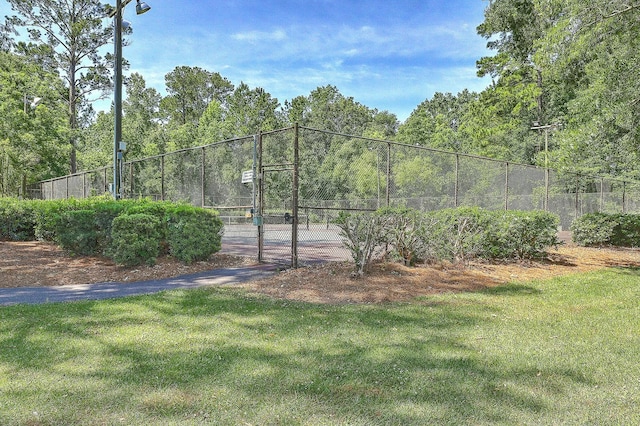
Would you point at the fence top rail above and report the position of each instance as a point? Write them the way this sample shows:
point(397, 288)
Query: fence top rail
point(420, 147)
point(461, 154)
point(192, 148)
point(387, 142)
point(77, 174)
point(270, 132)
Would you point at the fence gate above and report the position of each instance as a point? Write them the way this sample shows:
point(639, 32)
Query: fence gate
point(277, 198)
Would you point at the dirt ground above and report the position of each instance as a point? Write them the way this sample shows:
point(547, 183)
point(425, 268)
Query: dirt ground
point(30, 264)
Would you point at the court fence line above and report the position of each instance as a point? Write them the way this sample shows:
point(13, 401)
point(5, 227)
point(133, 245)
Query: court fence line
point(282, 189)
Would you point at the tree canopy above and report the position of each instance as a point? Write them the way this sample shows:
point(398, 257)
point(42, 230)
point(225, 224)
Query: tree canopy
point(567, 65)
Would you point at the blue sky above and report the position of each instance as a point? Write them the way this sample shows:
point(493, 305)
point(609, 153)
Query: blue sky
point(389, 55)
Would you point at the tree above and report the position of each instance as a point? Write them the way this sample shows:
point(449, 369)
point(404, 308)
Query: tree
point(32, 136)
point(190, 90)
point(75, 32)
point(250, 110)
point(435, 123)
point(140, 116)
point(592, 53)
point(95, 149)
point(327, 109)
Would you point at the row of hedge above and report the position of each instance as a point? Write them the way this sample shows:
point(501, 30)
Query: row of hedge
point(602, 229)
point(456, 235)
point(131, 232)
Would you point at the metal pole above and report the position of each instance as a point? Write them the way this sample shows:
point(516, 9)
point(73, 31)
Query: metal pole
point(378, 174)
point(388, 172)
point(506, 186)
point(254, 174)
point(260, 207)
point(546, 169)
point(162, 178)
point(601, 194)
point(117, 97)
point(132, 179)
point(577, 194)
point(202, 176)
point(457, 182)
point(294, 200)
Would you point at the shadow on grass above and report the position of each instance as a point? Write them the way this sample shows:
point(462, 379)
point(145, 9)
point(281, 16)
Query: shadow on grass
point(511, 290)
point(240, 358)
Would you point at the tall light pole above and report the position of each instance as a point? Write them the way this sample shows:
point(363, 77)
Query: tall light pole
point(141, 7)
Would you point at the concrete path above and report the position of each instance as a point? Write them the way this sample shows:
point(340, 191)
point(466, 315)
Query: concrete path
point(69, 293)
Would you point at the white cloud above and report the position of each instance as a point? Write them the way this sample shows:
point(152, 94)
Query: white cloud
point(258, 36)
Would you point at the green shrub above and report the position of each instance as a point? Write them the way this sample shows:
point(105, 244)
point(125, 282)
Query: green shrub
point(461, 233)
point(135, 239)
point(598, 229)
point(77, 232)
point(105, 212)
point(521, 234)
point(593, 229)
point(408, 234)
point(627, 233)
point(47, 216)
point(193, 233)
point(17, 220)
point(457, 235)
point(362, 233)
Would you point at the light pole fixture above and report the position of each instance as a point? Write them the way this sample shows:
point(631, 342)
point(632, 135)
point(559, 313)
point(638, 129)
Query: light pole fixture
point(118, 145)
point(35, 101)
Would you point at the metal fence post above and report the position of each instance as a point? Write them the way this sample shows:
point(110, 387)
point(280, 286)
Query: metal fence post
point(131, 178)
point(601, 194)
point(388, 173)
point(546, 188)
point(456, 183)
point(260, 212)
point(506, 186)
point(577, 192)
point(294, 198)
point(162, 177)
point(202, 177)
point(624, 194)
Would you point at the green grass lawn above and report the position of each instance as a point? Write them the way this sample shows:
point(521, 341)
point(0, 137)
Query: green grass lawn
point(562, 351)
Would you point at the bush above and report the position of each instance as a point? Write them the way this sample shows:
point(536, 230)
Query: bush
point(627, 233)
point(77, 232)
point(105, 212)
point(363, 233)
point(193, 233)
point(47, 215)
point(522, 235)
point(457, 235)
point(598, 229)
point(17, 220)
point(407, 232)
point(135, 239)
point(461, 233)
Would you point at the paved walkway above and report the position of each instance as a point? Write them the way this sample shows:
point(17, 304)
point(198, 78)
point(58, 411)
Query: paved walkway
point(69, 293)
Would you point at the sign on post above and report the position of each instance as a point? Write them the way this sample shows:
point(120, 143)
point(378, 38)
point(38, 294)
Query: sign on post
point(247, 176)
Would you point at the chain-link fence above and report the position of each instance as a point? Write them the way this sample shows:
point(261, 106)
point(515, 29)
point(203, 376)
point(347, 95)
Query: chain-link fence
point(279, 193)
